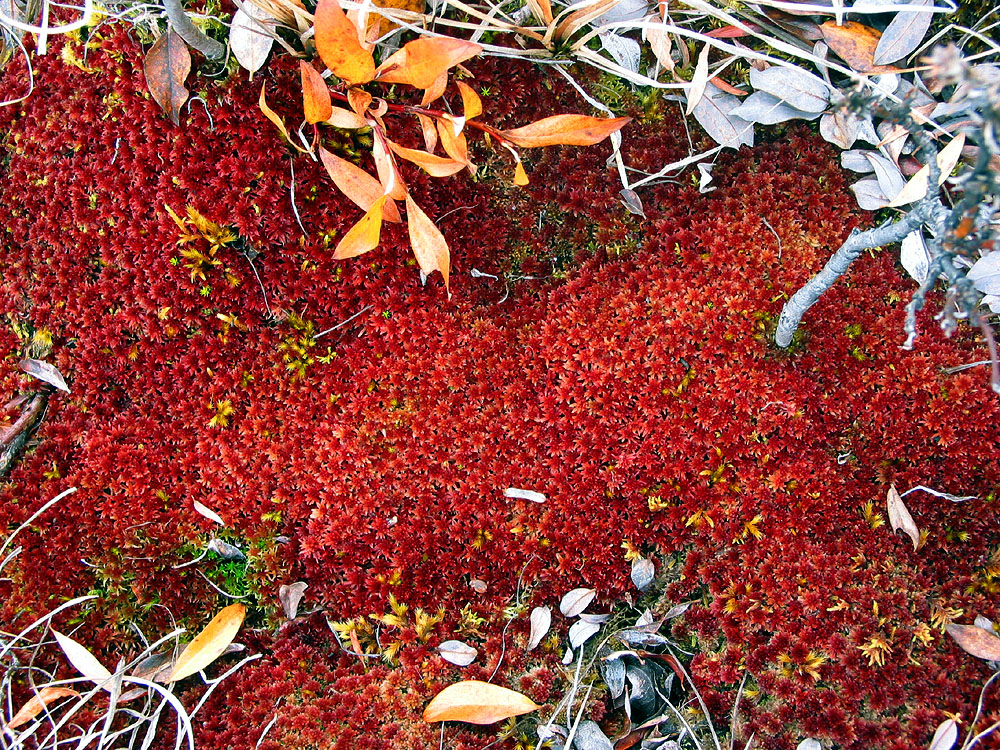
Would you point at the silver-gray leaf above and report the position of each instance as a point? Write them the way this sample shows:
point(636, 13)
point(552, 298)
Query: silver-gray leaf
point(840, 128)
point(914, 256)
point(290, 595)
point(519, 494)
point(45, 372)
point(225, 550)
point(890, 179)
point(250, 38)
point(903, 34)
point(625, 51)
point(856, 161)
point(765, 109)
point(801, 90)
point(590, 737)
point(581, 632)
point(598, 618)
point(809, 744)
point(639, 638)
point(568, 657)
point(613, 672)
point(541, 621)
point(985, 274)
point(458, 653)
point(677, 610)
point(643, 571)
point(869, 195)
point(713, 113)
point(632, 202)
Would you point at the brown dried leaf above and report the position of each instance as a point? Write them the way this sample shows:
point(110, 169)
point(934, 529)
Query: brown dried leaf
point(699, 81)
point(429, 132)
point(37, 703)
point(338, 45)
point(661, 44)
point(290, 596)
point(420, 62)
point(166, 66)
point(429, 245)
point(471, 103)
point(475, 702)
point(568, 130)
point(209, 644)
point(855, 43)
point(364, 235)
point(900, 518)
point(576, 20)
point(357, 184)
point(976, 641)
point(316, 101)
point(436, 166)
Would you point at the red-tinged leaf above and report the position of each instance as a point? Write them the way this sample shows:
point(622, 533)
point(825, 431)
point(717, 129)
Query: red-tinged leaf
point(471, 103)
point(359, 186)
point(167, 65)
point(727, 87)
point(360, 100)
point(435, 166)
point(726, 32)
point(421, 61)
point(429, 132)
point(38, 703)
point(364, 235)
point(436, 90)
point(388, 175)
point(429, 245)
point(338, 45)
point(475, 702)
point(566, 130)
point(209, 644)
point(976, 641)
point(344, 118)
point(316, 101)
point(855, 44)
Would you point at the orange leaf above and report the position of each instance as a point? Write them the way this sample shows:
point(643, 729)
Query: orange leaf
point(471, 103)
point(338, 46)
point(166, 66)
point(520, 176)
point(209, 644)
point(379, 26)
point(360, 100)
point(436, 90)
point(316, 100)
point(37, 704)
point(357, 184)
point(388, 175)
point(344, 118)
point(568, 130)
point(976, 641)
point(476, 702)
point(429, 245)
point(456, 146)
point(421, 61)
point(855, 44)
point(436, 166)
point(429, 131)
point(364, 235)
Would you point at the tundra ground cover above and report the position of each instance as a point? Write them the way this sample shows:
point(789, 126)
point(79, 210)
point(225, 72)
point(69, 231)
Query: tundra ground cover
point(622, 367)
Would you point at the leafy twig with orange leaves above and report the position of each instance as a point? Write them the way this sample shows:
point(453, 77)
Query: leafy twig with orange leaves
point(423, 63)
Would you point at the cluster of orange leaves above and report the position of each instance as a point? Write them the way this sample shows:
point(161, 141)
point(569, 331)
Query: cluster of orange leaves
point(423, 63)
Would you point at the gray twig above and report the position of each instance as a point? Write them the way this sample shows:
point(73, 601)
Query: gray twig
point(191, 34)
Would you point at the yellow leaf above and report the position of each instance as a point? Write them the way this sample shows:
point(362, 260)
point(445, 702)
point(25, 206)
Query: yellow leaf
point(209, 644)
point(38, 703)
point(471, 103)
point(364, 235)
point(476, 702)
point(429, 245)
point(360, 100)
point(520, 176)
point(421, 61)
point(271, 115)
point(567, 130)
point(354, 182)
point(379, 26)
point(338, 46)
point(454, 145)
point(436, 166)
point(316, 101)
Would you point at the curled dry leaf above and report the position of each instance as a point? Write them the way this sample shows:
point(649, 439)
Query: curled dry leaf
point(900, 518)
point(475, 702)
point(225, 550)
point(478, 585)
point(82, 660)
point(945, 736)
point(210, 643)
point(420, 62)
point(45, 372)
point(429, 245)
point(855, 44)
point(458, 653)
point(357, 184)
point(210, 514)
point(344, 118)
point(576, 601)
point(166, 66)
point(316, 102)
point(388, 174)
point(541, 621)
point(565, 130)
point(38, 703)
point(364, 235)
point(338, 46)
point(976, 641)
point(290, 595)
point(516, 494)
point(698, 81)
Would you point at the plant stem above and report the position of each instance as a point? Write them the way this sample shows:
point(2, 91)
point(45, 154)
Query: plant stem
point(179, 21)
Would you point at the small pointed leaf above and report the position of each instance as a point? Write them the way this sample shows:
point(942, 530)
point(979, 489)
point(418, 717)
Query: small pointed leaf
point(900, 518)
point(37, 703)
point(472, 105)
point(210, 514)
point(945, 736)
point(517, 494)
point(45, 372)
point(475, 702)
point(316, 101)
point(643, 571)
point(290, 595)
point(356, 184)
point(364, 235)
point(698, 81)
point(541, 621)
point(567, 130)
point(436, 166)
point(429, 245)
point(82, 660)
point(210, 643)
point(581, 631)
point(420, 62)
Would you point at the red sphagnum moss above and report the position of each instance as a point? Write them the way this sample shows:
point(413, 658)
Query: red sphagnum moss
point(632, 381)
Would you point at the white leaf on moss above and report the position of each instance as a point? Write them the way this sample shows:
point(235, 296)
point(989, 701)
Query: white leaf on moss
point(45, 372)
point(576, 601)
point(541, 621)
point(945, 736)
point(458, 653)
point(581, 632)
point(914, 256)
